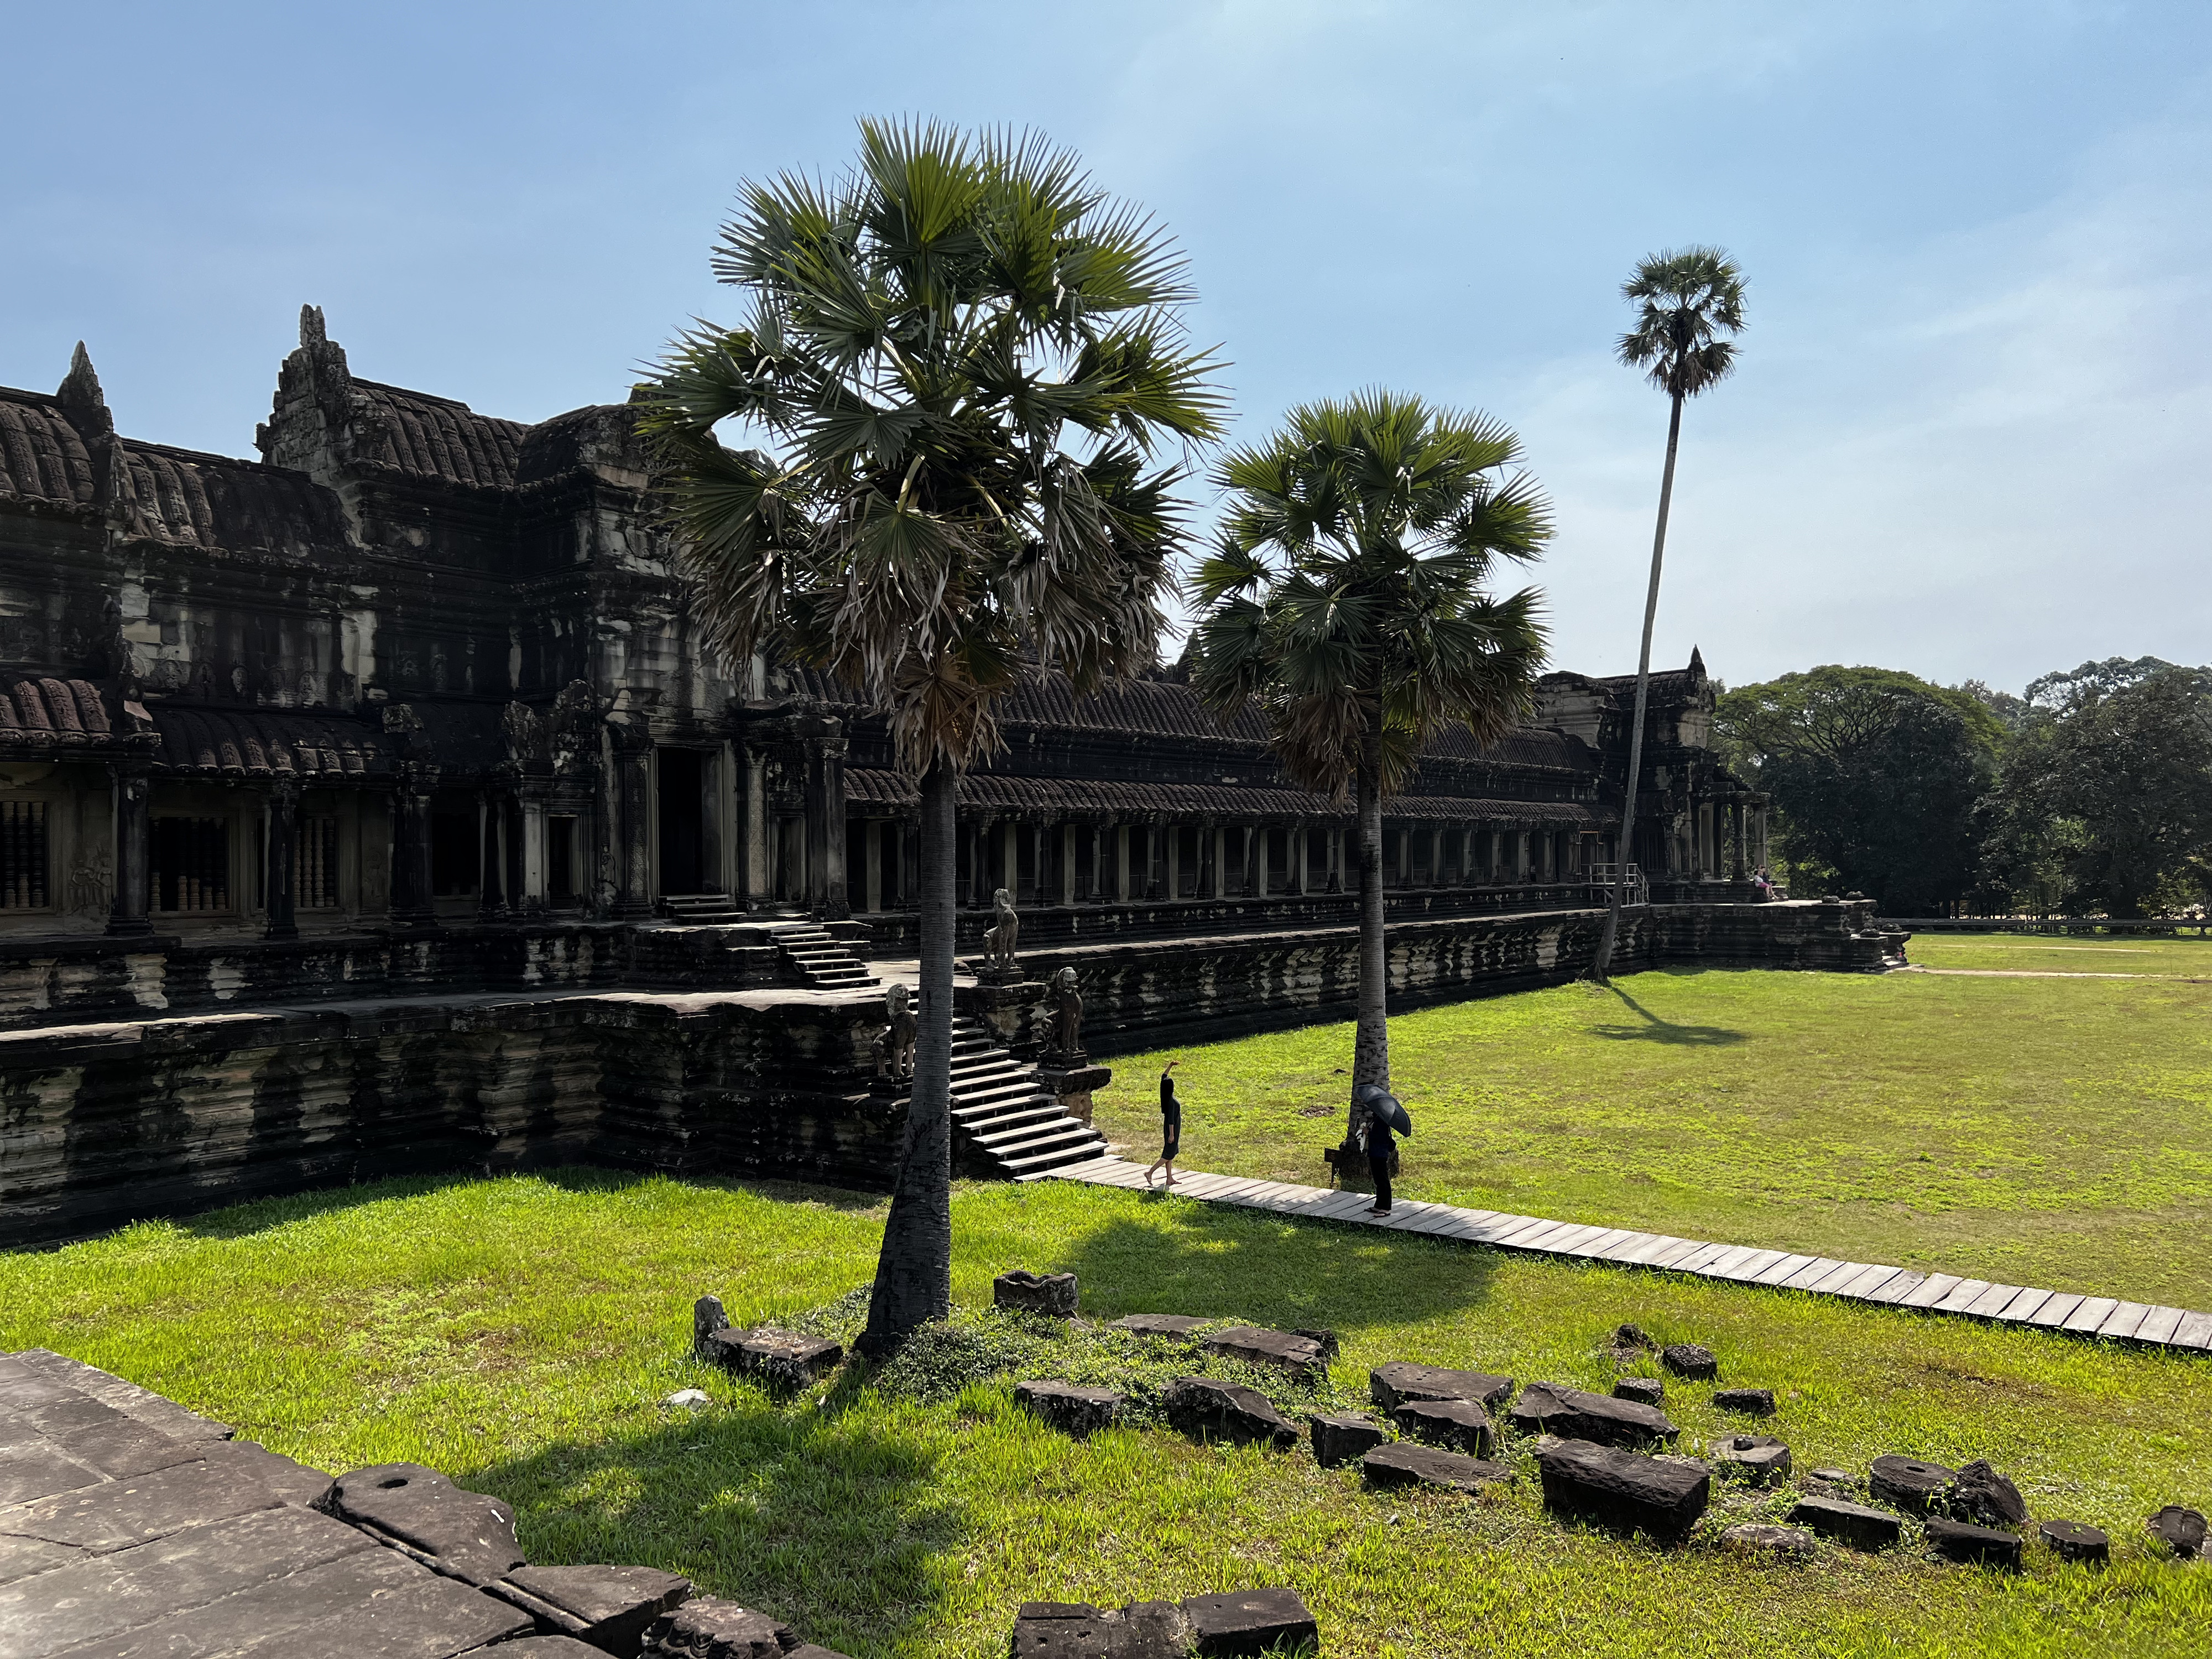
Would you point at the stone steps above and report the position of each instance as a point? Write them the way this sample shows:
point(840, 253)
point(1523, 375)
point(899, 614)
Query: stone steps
point(818, 960)
point(1002, 1121)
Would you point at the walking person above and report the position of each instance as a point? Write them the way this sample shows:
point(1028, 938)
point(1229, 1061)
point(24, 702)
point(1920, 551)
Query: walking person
point(1385, 1120)
point(1170, 1127)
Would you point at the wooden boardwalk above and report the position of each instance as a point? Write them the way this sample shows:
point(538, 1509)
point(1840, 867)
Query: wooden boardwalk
point(2177, 1328)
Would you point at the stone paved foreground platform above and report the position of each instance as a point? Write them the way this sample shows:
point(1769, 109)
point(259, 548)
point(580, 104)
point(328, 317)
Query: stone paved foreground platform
point(130, 1526)
point(2176, 1329)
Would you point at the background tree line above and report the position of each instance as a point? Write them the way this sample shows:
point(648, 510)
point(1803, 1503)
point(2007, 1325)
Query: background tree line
point(2091, 794)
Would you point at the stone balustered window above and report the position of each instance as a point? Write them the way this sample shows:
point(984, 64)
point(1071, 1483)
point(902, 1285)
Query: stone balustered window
point(315, 863)
point(190, 864)
point(23, 856)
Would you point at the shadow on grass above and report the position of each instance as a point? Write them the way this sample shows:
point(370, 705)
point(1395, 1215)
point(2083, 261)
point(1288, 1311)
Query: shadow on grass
point(1655, 1029)
point(827, 1519)
point(1272, 1270)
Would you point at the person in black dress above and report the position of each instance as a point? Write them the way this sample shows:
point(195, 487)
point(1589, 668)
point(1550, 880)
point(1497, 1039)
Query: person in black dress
point(1380, 1143)
point(1170, 1126)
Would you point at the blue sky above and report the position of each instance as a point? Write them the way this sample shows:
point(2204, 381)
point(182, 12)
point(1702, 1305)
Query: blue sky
point(1972, 432)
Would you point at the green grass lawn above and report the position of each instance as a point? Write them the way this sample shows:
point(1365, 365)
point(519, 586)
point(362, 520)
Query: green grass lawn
point(2047, 1132)
point(520, 1334)
point(2069, 954)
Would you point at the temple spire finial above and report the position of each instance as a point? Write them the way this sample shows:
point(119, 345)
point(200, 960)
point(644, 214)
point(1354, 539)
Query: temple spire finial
point(312, 331)
point(82, 400)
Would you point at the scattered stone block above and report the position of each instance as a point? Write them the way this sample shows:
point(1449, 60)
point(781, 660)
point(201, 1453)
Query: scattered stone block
point(1760, 1538)
point(707, 1318)
point(780, 1359)
point(1752, 1402)
point(1322, 1334)
point(1630, 1339)
point(689, 1398)
point(2075, 1541)
point(1301, 1356)
point(809, 1650)
point(1212, 1409)
point(1251, 1622)
point(1908, 1484)
point(1576, 1415)
point(2181, 1530)
point(1624, 1490)
point(1962, 1541)
point(549, 1647)
point(1076, 1630)
point(1758, 1458)
point(612, 1606)
point(1842, 1479)
point(1343, 1439)
point(470, 1536)
point(1072, 1407)
point(1643, 1391)
point(1689, 1359)
point(1042, 1293)
point(1173, 1325)
point(1407, 1464)
point(1855, 1524)
point(1392, 1385)
point(1980, 1494)
point(708, 1627)
point(1460, 1426)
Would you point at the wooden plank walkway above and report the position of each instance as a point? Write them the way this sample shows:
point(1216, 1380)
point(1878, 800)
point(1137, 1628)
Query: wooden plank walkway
point(2178, 1328)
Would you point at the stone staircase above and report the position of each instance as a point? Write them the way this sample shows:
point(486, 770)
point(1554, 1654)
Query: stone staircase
point(818, 960)
point(1003, 1124)
point(700, 909)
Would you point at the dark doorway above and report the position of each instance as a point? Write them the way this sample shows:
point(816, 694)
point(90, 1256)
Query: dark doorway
point(682, 803)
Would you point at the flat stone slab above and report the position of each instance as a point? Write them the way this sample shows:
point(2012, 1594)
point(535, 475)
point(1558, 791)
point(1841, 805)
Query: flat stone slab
point(1411, 1465)
point(1622, 1490)
point(1962, 1541)
point(782, 1359)
point(470, 1535)
point(1212, 1409)
point(1760, 1538)
point(1643, 1391)
point(1170, 1325)
point(1072, 1408)
point(1258, 1621)
point(2074, 1540)
point(1392, 1385)
point(1076, 1630)
point(1043, 1293)
point(612, 1607)
point(1578, 1414)
point(1344, 1438)
point(1460, 1426)
point(1847, 1522)
point(1758, 1458)
point(1909, 1484)
point(1257, 1345)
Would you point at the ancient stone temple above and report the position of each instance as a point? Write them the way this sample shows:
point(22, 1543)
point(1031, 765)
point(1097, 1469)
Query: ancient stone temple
point(415, 705)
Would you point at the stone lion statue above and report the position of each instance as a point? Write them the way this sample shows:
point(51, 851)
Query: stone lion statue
point(895, 1045)
point(999, 944)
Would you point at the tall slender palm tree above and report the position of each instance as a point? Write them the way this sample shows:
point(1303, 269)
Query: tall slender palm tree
point(1689, 301)
point(962, 362)
point(1350, 604)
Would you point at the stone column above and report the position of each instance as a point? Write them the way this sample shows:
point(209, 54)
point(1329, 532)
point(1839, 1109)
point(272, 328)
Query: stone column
point(283, 831)
point(634, 798)
point(756, 867)
point(871, 858)
point(825, 828)
point(1122, 863)
point(531, 855)
point(133, 785)
point(1736, 819)
point(412, 905)
point(1067, 863)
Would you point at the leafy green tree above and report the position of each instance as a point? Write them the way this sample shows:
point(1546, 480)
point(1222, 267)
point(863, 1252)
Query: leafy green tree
point(1689, 301)
point(1351, 604)
point(1874, 775)
point(947, 407)
point(2109, 789)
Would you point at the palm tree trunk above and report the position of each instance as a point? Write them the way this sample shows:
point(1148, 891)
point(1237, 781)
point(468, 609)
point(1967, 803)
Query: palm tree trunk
point(1371, 1044)
point(914, 1273)
point(1603, 965)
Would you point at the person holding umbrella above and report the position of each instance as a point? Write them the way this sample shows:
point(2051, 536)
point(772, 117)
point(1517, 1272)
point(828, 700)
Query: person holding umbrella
point(1386, 1120)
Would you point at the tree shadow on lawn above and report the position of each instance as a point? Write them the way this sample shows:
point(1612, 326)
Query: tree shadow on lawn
point(1272, 1270)
point(827, 1519)
point(1655, 1029)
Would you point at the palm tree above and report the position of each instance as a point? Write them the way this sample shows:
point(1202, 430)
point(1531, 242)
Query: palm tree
point(1689, 300)
point(962, 361)
point(1349, 605)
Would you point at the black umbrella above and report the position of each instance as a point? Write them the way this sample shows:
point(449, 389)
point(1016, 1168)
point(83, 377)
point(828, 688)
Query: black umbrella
point(1390, 1109)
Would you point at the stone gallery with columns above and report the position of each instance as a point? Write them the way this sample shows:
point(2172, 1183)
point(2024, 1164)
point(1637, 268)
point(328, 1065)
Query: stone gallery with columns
point(415, 703)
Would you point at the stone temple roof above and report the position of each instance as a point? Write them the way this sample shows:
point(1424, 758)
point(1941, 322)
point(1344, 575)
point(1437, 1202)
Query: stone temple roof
point(41, 457)
point(264, 743)
point(39, 712)
point(1057, 798)
point(425, 436)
